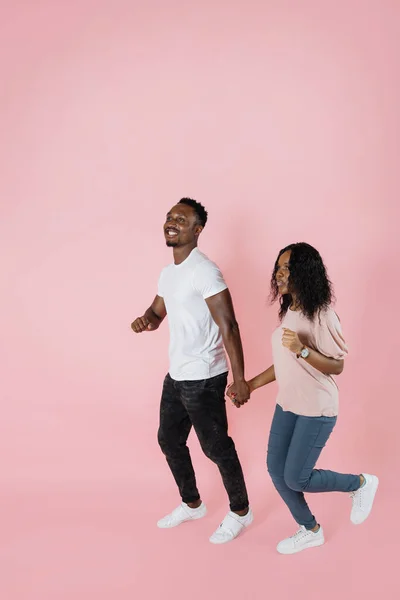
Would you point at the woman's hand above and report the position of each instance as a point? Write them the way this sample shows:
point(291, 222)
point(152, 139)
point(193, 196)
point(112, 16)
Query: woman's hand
point(254, 384)
point(236, 395)
point(291, 340)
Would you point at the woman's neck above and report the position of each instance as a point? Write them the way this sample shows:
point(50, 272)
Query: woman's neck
point(295, 304)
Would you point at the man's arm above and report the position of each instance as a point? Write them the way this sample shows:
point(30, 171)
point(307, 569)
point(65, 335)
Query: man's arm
point(152, 318)
point(221, 309)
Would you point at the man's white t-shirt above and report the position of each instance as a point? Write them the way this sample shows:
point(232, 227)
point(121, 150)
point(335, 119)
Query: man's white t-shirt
point(196, 349)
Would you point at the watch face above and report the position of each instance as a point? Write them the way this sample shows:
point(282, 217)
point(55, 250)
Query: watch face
point(305, 353)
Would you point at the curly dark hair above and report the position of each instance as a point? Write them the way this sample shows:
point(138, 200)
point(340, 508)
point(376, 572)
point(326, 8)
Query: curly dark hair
point(308, 279)
point(202, 214)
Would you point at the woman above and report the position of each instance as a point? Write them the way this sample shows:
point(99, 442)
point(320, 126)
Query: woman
point(308, 350)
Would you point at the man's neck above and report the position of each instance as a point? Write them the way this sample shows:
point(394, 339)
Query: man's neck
point(181, 253)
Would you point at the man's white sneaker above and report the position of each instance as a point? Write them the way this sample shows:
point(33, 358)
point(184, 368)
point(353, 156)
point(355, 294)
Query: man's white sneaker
point(303, 539)
point(182, 513)
point(230, 527)
point(363, 499)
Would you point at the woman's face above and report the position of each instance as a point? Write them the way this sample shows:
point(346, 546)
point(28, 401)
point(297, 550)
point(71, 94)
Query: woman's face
point(282, 273)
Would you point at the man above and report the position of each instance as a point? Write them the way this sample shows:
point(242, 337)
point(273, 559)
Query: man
point(194, 295)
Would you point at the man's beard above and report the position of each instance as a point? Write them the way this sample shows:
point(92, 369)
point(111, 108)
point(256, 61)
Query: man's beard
point(171, 244)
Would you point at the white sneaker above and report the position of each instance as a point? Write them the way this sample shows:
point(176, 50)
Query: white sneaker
point(182, 513)
point(230, 527)
point(303, 539)
point(363, 499)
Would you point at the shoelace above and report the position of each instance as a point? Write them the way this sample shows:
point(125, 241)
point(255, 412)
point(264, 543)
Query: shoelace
point(300, 534)
point(357, 497)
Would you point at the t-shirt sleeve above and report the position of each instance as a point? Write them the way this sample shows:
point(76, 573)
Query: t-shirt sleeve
point(208, 280)
point(160, 290)
point(329, 336)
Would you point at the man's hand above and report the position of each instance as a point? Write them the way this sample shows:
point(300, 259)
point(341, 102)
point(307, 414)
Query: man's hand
point(239, 393)
point(152, 318)
point(231, 393)
point(143, 324)
point(291, 340)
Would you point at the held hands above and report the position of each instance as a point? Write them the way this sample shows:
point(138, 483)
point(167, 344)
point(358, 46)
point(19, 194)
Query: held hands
point(291, 340)
point(239, 393)
point(142, 324)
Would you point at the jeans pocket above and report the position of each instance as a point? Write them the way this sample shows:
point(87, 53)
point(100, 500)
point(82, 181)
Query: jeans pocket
point(217, 384)
point(191, 385)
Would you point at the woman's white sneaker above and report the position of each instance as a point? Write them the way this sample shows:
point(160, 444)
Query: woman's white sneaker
point(363, 499)
point(230, 527)
point(301, 540)
point(181, 514)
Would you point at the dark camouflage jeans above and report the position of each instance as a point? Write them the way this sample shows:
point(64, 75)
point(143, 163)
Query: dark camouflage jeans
point(200, 404)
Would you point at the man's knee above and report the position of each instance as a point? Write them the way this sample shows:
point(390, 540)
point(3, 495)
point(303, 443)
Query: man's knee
point(170, 446)
point(217, 449)
point(167, 445)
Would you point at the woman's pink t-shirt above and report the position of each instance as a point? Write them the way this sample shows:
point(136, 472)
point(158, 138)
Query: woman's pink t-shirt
point(303, 389)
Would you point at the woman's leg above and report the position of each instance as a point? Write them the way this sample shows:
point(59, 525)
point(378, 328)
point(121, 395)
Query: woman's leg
point(280, 442)
point(309, 438)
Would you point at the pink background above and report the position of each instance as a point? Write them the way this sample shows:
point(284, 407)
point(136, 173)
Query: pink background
point(283, 118)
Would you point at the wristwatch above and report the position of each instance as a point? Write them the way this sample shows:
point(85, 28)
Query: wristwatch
point(305, 353)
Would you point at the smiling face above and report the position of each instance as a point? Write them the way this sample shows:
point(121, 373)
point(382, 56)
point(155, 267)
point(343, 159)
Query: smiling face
point(283, 273)
point(181, 227)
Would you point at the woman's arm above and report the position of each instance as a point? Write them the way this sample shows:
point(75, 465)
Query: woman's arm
point(262, 379)
point(328, 366)
point(324, 364)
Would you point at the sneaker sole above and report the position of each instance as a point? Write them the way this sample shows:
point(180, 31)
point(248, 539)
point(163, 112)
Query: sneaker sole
point(310, 545)
point(366, 515)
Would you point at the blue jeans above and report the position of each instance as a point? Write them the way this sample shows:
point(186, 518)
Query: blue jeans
point(294, 446)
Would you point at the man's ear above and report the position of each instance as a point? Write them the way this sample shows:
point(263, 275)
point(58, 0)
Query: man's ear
point(198, 230)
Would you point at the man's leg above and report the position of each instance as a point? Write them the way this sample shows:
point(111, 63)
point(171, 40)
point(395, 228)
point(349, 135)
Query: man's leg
point(205, 404)
point(173, 432)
